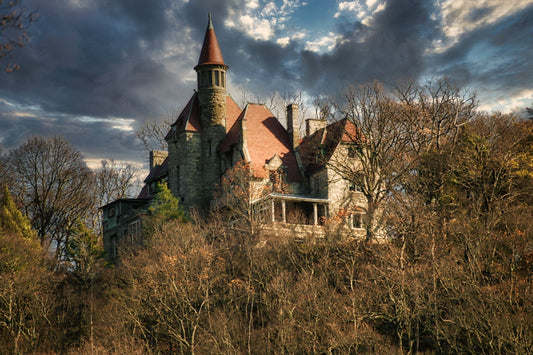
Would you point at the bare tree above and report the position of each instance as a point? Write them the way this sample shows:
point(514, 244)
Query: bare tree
point(378, 148)
point(113, 181)
point(14, 21)
point(324, 107)
point(54, 185)
point(153, 131)
point(434, 112)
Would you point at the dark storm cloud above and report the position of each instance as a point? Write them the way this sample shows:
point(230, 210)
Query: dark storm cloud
point(389, 48)
point(497, 55)
point(96, 139)
point(111, 58)
point(93, 61)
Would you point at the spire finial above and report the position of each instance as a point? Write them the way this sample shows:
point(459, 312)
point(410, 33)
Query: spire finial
point(210, 24)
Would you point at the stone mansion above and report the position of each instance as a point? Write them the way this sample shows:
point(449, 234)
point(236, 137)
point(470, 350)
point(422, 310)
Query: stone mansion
point(212, 134)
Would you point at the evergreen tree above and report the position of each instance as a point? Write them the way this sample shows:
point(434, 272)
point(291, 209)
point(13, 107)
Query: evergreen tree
point(165, 206)
point(11, 219)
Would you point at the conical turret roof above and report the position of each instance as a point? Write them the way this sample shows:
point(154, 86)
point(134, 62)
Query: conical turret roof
point(210, 53)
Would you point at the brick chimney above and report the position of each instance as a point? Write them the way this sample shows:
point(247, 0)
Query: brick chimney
point(293, 126)
point(157, 157)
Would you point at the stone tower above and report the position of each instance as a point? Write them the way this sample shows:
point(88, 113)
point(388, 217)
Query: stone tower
point(211, 76)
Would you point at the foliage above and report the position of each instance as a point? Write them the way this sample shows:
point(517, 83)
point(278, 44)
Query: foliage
point(83, 250)
point(14, 22)
point(54, 186)
point(165, 206)
point(237, 190)
point(454, 276)
point(380, 149)
point(24, 292)
point(11, 219)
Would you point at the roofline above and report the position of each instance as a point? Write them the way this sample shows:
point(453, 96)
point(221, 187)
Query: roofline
point(194, 98)
point(288, 197)
point(126, 199)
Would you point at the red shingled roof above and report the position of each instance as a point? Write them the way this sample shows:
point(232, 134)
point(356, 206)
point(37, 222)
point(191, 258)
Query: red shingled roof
point(317, 148)
point(264, 137)
point(210, 53)
point(232, 112)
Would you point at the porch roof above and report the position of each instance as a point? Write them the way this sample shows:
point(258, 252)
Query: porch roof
point(286, 197)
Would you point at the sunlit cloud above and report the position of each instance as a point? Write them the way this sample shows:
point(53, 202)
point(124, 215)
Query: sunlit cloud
point(262, 21)
point(459, 17)
point(324, 44)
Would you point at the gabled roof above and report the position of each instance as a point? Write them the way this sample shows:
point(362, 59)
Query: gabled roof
point(232, 112)
point(189, 118)
point(263, 138)
point(158, 173)
point(210, 53)
point(317, 149)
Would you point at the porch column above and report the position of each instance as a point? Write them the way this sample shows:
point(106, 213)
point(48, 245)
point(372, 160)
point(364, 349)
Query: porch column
point(284, 216)
point(315, 214)
point(273, 210)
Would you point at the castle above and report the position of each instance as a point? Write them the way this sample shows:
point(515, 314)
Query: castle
point(213, 134)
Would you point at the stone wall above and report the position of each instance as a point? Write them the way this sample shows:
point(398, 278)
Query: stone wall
point(184, 178)
point(338, 188)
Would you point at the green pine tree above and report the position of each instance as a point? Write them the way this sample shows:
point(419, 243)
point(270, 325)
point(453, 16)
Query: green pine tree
point(165, 206)
point(12, 221)
point(83, 249)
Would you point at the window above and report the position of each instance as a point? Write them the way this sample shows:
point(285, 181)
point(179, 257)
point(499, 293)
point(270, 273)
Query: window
point(134, 230)
point(178, 178)
point(223, 79)
point(354, 187)
point(113, 247)
point(316, 183)
point(112, 211)
point(209, 78)
point(357, 220)
point(353, 151)
point(217, 78)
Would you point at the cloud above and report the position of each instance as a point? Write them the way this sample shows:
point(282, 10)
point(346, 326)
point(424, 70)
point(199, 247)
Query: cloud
point(494, 57)
point(324, 44)
point(390, 47)
point(362, 11)
point(258, 29)
point(462, 17)
point(95, 138)
point(97, 68)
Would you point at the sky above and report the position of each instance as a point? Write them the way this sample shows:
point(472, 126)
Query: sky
point(95, 70)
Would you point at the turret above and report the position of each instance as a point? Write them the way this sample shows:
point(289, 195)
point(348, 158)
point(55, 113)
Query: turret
point(211, 76)
point(211, 71)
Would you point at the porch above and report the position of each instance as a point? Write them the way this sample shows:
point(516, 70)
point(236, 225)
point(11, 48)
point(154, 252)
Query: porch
point(291, 209)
